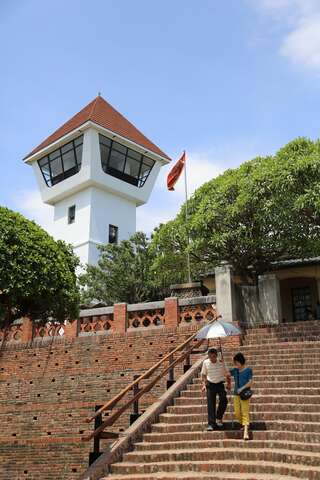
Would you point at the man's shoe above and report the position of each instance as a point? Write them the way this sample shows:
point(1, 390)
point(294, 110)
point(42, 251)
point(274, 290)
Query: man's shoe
point(219, 423)
point(210, 428)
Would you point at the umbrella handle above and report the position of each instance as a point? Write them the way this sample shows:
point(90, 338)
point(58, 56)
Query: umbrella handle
point(220, 349)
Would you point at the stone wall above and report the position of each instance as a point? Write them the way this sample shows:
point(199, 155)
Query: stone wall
point(248, 305)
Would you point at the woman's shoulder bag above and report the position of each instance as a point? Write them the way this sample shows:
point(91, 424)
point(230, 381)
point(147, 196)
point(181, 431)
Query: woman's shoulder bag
point(246, 393)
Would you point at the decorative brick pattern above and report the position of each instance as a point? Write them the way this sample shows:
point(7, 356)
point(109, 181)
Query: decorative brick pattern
point(96, 324)
point(13, 333)
point(48, 329)
point(118, 318)
point(197, 313)
point(146, 318)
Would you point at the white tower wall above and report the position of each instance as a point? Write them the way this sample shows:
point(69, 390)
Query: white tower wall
point(95, 210)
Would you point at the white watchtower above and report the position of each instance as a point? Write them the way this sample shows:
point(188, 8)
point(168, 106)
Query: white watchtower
point(95, 170)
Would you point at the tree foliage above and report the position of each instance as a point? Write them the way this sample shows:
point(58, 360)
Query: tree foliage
point(37, 273)
point(124, 273)
point(265, 210)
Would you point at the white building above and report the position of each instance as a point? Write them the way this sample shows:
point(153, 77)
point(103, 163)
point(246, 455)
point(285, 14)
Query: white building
point(95, 170)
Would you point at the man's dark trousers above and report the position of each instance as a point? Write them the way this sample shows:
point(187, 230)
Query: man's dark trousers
point(214, 389)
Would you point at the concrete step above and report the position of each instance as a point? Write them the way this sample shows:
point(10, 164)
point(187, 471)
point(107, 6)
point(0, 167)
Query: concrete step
point(272, 383)
point(286, 371)
point(264, 435)
point(285, 362)
point(284, 329)
point(292, 426)
point(266, 347)
point(228, 443)
point(191, 398)
point(266, 390)
point(291, 416)
point(286, 365)
point(283, 377)
point(249, 341)
point(281, 348)
point(228, 466)
point(293, 337)
point(195, 476)
point(206, 454)
point(197, 408)
point(280, 354)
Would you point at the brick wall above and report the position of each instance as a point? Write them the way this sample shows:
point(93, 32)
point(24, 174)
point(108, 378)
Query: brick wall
point(49, 385)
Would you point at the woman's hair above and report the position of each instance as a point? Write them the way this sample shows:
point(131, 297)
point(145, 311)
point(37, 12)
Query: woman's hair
point(239, 357)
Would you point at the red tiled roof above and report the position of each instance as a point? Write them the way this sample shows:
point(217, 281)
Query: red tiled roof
point(101, 112)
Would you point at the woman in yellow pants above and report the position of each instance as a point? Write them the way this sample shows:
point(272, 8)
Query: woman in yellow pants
point(242, 379)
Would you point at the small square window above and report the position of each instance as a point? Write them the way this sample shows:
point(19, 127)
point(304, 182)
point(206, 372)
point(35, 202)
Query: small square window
point(72, 214)
point(113, 234)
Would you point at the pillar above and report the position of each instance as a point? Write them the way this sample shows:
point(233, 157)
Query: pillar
point(225, 293)
point(120, 322)
point(27, 329)
point(72, 329)
point(171, 312)
point(270, 299)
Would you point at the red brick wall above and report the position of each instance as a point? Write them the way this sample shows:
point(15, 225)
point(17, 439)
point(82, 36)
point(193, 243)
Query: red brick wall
point(48, 388)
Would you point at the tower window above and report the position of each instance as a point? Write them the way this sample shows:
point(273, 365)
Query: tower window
point(71, 214)
point(62, 163)
point(123, 163)
point(113, 234)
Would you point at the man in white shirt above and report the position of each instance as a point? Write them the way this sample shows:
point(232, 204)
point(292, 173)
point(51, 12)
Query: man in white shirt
point(213, 375)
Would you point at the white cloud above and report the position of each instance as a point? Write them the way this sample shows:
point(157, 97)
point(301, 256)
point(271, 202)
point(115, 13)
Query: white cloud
point(300, 21)
point(287, 8)
point(302, 45)
point(164, 205)
point(30, 204)
point(201, 167)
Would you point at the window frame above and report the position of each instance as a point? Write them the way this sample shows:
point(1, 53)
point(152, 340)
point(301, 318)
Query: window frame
point(300, 294)
point(116, 235)
point(111, 144)
point(72, 219)
point(46, 161)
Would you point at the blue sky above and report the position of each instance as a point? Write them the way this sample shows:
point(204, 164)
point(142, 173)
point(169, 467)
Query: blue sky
point(225, 80)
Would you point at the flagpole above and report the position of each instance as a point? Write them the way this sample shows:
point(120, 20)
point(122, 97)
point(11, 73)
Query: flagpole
point(188, 237)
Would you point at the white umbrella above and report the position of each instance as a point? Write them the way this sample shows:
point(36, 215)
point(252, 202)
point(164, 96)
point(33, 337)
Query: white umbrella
point(218, 329)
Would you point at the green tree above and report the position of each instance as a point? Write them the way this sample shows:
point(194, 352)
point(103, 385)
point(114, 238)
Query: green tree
point(123, 273)
point(265, 210)
point(37, 273)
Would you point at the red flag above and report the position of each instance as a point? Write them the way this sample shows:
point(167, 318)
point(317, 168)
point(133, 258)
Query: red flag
point(175, 172)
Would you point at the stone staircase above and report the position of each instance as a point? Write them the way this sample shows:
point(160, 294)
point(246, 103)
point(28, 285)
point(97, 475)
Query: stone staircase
point(285, 415)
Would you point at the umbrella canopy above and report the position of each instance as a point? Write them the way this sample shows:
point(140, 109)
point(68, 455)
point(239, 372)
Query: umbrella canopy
point(218, 329)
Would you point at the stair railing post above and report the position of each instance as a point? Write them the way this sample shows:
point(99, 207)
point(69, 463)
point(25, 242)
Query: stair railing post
point(135, 408)
point(96, 440)
point(171, 379)
point(187, 364)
